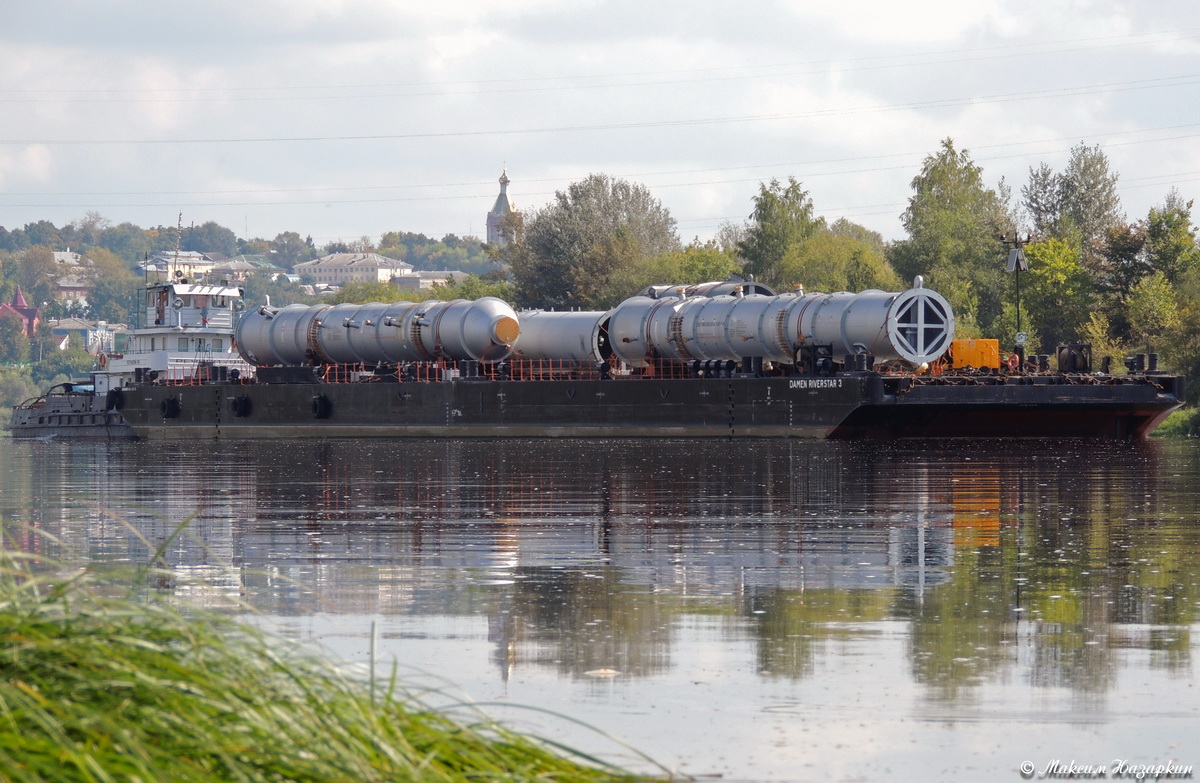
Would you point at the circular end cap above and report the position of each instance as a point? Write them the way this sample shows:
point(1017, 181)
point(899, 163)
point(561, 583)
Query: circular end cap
point(506, 330)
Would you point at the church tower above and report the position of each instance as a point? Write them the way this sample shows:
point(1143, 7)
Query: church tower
point(500, 210)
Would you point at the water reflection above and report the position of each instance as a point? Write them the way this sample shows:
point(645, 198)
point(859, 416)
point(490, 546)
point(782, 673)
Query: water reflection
point(1046, 563)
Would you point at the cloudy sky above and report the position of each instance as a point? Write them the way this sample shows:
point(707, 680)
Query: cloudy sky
point(349, 119)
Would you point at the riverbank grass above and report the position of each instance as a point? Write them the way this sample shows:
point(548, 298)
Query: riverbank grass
point(101, 689)
point(1183, 423)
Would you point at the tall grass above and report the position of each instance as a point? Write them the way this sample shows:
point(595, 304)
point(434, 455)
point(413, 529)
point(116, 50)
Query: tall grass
point(1183, 423)
point(94, 688)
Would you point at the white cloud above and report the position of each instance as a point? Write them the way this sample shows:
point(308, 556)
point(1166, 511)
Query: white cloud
point(910, 23)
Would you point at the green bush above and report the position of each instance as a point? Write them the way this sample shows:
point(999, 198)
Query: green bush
point(1183, 423)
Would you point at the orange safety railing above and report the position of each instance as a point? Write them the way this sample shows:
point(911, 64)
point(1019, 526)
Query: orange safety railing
point(441, 370)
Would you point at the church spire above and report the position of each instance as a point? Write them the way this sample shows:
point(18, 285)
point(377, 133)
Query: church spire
point(500, 210)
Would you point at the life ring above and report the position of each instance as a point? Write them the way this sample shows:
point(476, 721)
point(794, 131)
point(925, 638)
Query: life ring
point(1013, 362)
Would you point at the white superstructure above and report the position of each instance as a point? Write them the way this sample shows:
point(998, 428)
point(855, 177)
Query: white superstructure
point(186, 334)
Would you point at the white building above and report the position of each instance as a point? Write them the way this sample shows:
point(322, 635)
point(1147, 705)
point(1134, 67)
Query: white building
point(341, 268)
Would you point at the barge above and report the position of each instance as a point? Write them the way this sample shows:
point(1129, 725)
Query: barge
point(718, 360)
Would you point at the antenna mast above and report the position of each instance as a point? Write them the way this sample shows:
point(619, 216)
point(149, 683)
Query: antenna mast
point(178, 242)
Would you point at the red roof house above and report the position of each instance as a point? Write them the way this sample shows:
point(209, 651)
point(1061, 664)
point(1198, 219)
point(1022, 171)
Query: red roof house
point(20, 308)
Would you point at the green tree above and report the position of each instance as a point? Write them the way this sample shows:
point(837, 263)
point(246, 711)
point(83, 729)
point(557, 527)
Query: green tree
point(564, 245)
point(1171, 238)
point(111, 299)
point(210, 237)
point(1097, 333)
point(290, 249)
point(827, 262)
point(1153, 310)
point(1089, 198)
point(254, 247)
point(954, 223)
point(781, 222)
point(14, 343)
point(693, 264)
point(36, 272)
point(474, 287)
point(13, 240)
point(1183, 349)
point(74, 362)
point(1125, 260)
point(1042, 197)
point(129, 242)
point(851, 230)
point(363, 291)
point(88, 229)
point(1057, 290)
point(16, 386)
point(43, 232)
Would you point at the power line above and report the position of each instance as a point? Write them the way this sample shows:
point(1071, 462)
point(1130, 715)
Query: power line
point(572, 82)
point(1109, 87)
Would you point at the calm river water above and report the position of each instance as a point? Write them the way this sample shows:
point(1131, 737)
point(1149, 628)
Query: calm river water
point(754, 611)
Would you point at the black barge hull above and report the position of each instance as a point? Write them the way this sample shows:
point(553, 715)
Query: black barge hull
point(847, 405)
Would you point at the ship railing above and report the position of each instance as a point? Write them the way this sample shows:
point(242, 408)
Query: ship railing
point(544, 370)
point(344, 373)
point(522, 370)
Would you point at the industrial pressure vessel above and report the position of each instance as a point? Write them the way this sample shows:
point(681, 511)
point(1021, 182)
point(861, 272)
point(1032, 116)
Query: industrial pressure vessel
point(277, 335)
point(915, 325)
point(484, 329)
point(579, 336)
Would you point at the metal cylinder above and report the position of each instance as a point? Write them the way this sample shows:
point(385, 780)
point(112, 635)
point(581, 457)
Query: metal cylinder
point(915, 325)
point(270, 335)
point(484, 330)
point(572, 336)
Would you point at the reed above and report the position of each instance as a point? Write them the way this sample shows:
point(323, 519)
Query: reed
point(95, 688)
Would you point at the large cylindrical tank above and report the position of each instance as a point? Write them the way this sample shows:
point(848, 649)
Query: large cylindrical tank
point(915, 325)
point(629, 327)
point(578, 336)
point(270, 335)
point(484, 329)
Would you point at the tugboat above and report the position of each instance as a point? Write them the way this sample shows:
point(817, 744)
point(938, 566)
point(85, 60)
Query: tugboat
point(186, 337)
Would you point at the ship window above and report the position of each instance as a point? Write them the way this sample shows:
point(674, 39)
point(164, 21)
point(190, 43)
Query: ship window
point(218, 344)
point(152, 346)
point(183, 343)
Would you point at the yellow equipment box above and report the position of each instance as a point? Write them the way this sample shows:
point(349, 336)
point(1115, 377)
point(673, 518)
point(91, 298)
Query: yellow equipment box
point(975, 353)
